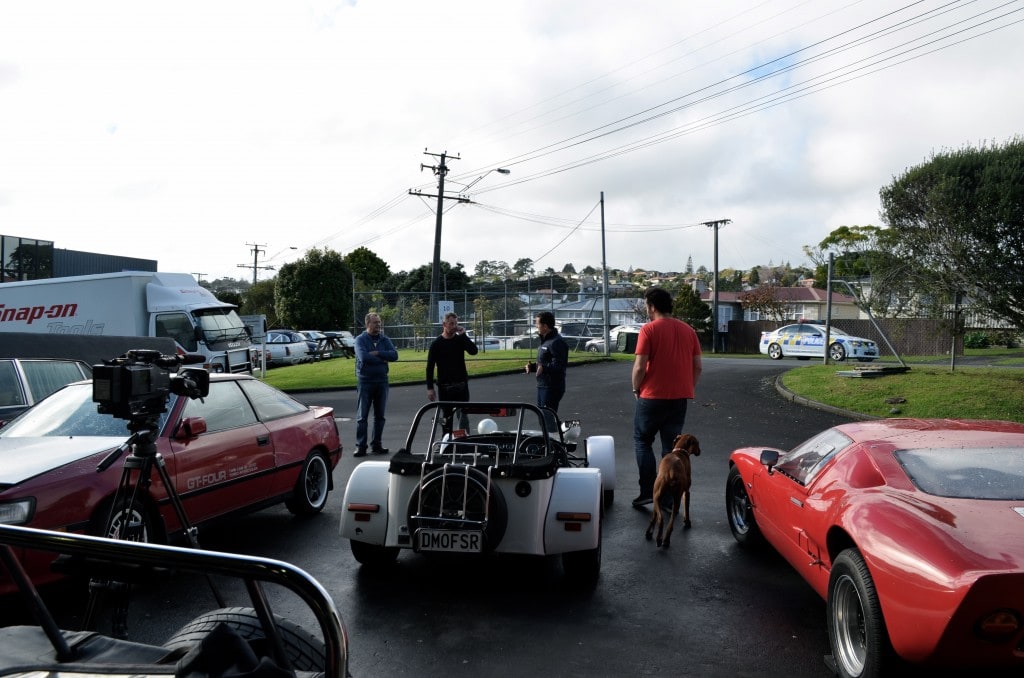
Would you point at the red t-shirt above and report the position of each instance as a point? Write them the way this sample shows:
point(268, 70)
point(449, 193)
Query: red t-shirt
point(669, 345)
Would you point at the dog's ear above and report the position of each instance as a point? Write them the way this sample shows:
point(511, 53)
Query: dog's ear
point(692, 445)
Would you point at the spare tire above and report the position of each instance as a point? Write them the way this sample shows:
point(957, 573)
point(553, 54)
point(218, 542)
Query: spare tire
point(459, 492)
point(305, 651)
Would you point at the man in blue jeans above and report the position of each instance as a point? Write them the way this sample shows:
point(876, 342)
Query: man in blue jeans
point(666, 370)
point(373, 353)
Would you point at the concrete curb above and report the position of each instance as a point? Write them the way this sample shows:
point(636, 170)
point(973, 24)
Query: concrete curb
point(806, 402)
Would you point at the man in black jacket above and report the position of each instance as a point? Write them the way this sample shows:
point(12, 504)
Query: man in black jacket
point(552, 360)
point(448, 352)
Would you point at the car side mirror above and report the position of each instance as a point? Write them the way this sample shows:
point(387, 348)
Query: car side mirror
point(769, 458)
point(190, 427)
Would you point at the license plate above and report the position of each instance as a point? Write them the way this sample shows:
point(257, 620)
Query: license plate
point(450, 541)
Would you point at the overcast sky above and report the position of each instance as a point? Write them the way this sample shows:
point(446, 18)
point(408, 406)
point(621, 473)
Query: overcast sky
point(188, 132)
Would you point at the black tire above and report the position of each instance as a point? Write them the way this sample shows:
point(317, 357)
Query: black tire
point(305, 651)
point(583, 567)
point(856, 628)
point(372, 554)
point(593, 349)
point(446, 490)
point(739, 511)
point(837, 352)
point(311, 487)
point(142, 526)
point(774, 351)
point(609, 497)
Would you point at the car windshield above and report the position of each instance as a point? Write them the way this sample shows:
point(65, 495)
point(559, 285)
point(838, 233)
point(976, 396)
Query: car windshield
point(971, 473)
point(803, 462)
point(68, 412)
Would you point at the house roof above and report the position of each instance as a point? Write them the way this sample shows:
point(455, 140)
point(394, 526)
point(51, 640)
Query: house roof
point(786, 295)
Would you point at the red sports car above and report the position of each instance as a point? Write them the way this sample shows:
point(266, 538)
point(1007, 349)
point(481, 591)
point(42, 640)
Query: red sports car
point(243, 447)
point(911, 530)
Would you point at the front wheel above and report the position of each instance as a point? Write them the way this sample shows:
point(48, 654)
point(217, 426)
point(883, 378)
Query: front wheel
point(740, 512)
point(312, 486)
point(837, 352)
point(304, 651)
point(131, 521)
point(593, 349)
point(774, 351)
point(856, 628)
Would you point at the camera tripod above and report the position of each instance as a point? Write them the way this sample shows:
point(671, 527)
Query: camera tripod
point(127, 521)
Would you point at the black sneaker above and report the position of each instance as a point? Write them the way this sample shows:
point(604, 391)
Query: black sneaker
point(359, 453)
point(380, 450)
point(643, 500)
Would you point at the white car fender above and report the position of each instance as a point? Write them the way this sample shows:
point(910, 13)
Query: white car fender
point(364, 511)
point(573, 521)
point(601, 455)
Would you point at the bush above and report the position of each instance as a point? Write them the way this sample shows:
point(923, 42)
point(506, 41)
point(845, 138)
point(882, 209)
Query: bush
point(976, 340)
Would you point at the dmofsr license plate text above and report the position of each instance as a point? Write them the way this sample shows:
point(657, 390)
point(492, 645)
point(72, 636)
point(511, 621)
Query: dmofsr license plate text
point(458, 541)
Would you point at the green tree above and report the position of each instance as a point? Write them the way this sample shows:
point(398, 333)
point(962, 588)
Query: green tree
point(369, 269)
point(688, 307)
point(259, 300)
point(568, 268)
point(958, 225)
point(314, 292)
point(523, 267)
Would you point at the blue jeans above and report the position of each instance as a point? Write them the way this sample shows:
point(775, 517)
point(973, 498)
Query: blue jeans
point(664, 418)
point(367, 394)
point(549, 395)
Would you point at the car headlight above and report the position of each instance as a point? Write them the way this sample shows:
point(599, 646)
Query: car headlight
point(17, 512)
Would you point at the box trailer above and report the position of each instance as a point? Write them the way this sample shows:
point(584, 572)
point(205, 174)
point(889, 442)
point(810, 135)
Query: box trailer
point(134, 303)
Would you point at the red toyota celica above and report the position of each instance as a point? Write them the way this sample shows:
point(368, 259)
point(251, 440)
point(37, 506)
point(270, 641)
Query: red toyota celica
point(911, 530)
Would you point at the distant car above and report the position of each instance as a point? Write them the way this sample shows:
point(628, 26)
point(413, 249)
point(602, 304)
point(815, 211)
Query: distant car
point(911, 530)
point(286, 347)
point(487, 343)
point(807, 340)
point(24, 382)
point(596, 345)
point(244, 447)
point(527, 340)
point(518, 484)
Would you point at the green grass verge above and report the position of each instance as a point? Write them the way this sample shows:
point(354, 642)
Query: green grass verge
point(928, 391)
point(409, 369)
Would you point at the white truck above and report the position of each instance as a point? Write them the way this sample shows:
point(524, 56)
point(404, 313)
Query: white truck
point(133, 303)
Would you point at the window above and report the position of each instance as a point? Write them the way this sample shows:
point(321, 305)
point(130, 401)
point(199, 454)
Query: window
point(269, 402)
point(10, 391)
point(177, 327)
point(225, 408)
point(43, 377)
point(803, 462)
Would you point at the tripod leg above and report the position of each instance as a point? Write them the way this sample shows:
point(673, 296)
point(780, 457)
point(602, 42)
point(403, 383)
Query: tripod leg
point(190, 530)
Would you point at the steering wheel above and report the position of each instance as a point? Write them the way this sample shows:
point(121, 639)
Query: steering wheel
point(531, 446)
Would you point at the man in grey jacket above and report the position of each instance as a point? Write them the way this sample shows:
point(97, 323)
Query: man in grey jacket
point(373, 353)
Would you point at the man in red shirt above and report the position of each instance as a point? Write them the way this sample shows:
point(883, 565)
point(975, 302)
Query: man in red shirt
point(665, 373)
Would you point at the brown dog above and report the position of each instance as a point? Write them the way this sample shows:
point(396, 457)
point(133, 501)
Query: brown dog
point(674, 478)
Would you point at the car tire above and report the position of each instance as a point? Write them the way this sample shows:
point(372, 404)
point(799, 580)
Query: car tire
point(312, 487)
point(593, 349)
point(740, 512)
point(583, 568)
point(837, 352)
point(141, 524)
point(774, 351)
point(305, 651)
point(856, 628)
point(373, 555)
point(456, 486)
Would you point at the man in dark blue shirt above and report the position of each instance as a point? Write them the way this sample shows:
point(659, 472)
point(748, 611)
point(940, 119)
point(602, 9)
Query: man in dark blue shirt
point(373, 353)
point(552, 360)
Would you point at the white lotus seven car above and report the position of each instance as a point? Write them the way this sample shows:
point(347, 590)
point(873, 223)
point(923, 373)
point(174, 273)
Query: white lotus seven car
point(519, 484)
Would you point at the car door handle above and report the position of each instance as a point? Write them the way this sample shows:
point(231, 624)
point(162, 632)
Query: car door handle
point(263, 440)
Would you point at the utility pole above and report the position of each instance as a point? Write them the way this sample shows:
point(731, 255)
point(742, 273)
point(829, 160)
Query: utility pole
point(256, 251)
point(604, 282)
point(716, 224)
point(440, 170)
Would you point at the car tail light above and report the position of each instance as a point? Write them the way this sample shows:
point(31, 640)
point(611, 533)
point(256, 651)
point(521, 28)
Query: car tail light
point(998, 625)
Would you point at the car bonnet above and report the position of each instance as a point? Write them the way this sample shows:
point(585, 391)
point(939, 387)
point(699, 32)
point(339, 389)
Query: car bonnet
point(24, 458)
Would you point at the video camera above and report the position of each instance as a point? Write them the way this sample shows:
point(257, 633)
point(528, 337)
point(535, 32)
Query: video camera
point(138, 384)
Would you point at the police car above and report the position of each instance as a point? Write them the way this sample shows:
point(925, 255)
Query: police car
point(807, 340)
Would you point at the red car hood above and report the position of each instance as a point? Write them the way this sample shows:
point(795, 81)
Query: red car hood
point(24, 458)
